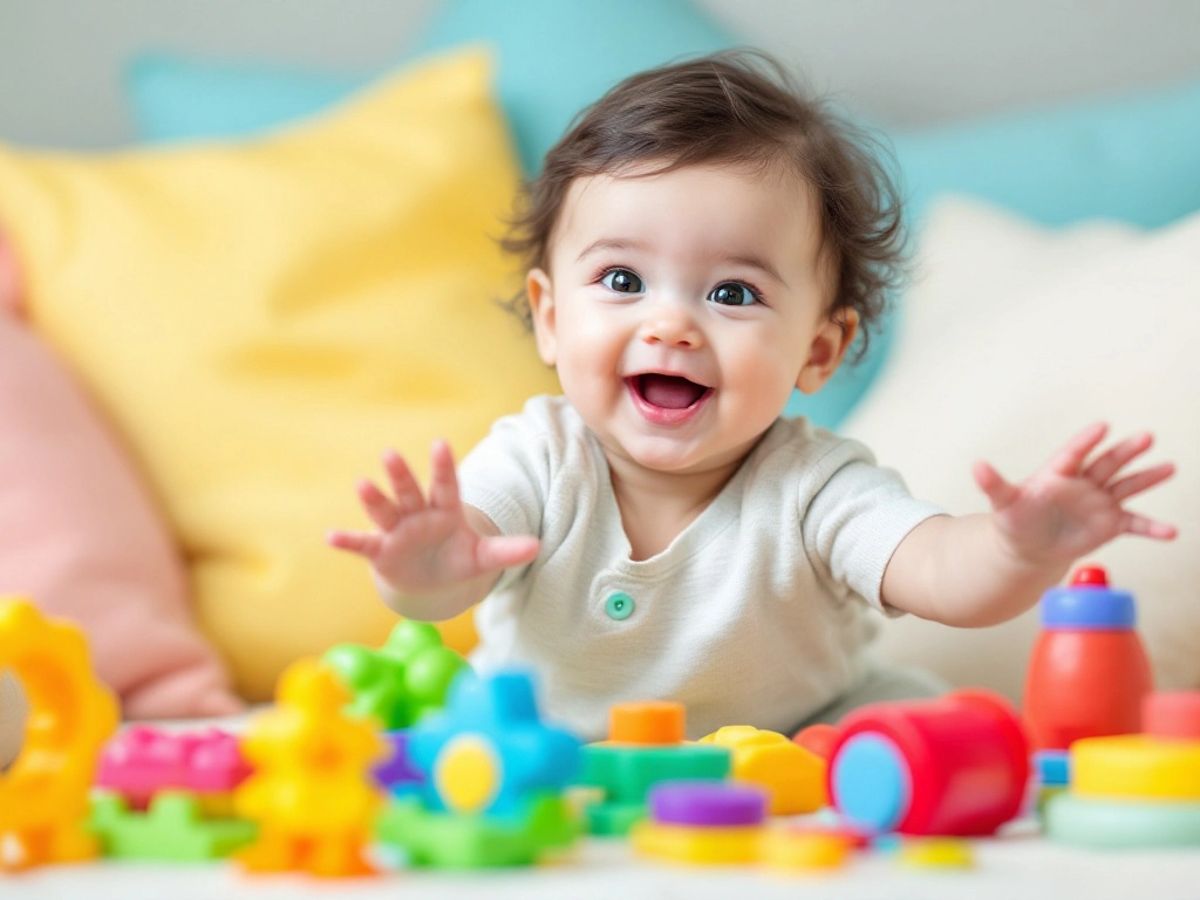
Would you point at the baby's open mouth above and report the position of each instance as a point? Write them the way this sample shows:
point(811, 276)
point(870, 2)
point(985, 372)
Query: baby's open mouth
point(667, 391)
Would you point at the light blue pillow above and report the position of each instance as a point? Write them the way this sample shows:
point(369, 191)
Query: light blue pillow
point(1133, 157)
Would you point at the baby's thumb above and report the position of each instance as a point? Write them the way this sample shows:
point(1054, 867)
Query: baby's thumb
point(506, 550)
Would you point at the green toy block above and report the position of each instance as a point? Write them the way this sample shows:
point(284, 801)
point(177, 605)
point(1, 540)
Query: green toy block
point(402, 681)
point(172, 829)
point(613, 819)
point(450, 841)
point(626, 772)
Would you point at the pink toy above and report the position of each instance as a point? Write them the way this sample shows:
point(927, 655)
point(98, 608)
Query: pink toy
point(144, 760)
point(957, 765)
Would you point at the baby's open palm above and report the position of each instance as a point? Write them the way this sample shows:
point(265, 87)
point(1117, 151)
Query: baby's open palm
point(424, 545)
point(1072, 506)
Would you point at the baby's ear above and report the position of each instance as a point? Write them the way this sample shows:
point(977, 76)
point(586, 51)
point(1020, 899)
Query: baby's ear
point(540, 291)
point(828, 349)
point(10, 280)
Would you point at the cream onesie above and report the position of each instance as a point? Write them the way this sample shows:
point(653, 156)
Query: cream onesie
point(758, 611)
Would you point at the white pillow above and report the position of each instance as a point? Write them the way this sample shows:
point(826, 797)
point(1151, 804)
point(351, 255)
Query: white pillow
point(1014, 337)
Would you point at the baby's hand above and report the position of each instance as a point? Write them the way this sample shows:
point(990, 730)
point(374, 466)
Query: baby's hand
point(1071, 507)
point(423, 547)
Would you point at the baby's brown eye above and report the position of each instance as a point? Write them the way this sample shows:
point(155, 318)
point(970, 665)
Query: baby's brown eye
point(733, 293)
point(622, 281)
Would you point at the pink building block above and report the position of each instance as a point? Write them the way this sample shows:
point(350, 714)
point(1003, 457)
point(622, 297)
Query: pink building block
point(144, 760)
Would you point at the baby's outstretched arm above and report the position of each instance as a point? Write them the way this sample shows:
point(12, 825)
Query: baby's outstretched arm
point(432, 558)
point(983, 569)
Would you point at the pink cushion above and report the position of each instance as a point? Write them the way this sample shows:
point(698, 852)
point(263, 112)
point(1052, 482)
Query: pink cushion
point(81, 537)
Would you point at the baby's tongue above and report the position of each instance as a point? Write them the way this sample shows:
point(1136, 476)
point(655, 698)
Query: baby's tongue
point(670, 392)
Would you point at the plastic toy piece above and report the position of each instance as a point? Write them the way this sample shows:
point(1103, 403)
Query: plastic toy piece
point(1089, 673)
point(1104, 824)
point(957, 765)
point(1053, 767)
point(397, 773)
point(654, 722)
point(1136, 767)
point(1172, 716)
point(489, 751)
point(943, 853)
point(450, 841)
point(401, 682)
point(707, 803)
point(497, 777)
point(626, 774)
point(141, 761)
point(803, 849)
point(173, 829)
point(818, 739)
point(44, 794)
point(311, 792)
point(697, 846)
point(793, 777)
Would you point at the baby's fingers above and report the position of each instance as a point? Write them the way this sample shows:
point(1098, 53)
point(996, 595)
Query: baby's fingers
point(1132, 523)
point(443, 484)
point(383, 512)
point(506, 550)
point(1141, 481)
point(992, 483)
point(1117, 457)
point(404, 485)
point(367, 545)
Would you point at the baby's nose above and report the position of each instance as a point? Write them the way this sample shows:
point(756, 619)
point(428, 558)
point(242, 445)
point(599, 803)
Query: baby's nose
point(672, 326)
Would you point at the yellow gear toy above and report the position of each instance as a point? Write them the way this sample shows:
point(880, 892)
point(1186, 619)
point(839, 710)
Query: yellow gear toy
point(44, 794)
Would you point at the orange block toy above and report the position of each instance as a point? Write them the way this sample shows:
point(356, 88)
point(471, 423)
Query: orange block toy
point(311, 795)
point(44, 795)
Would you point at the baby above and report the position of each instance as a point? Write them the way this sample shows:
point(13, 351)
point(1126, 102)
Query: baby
point(701, 243)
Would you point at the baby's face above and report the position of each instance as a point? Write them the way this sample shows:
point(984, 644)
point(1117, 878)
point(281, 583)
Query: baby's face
point(681, 309)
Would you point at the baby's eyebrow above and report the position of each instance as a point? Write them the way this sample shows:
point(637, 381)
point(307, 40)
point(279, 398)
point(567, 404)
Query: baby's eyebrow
point(610, 244)
point(756, 262)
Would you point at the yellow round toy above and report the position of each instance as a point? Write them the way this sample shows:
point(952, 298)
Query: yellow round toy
point(1136, 766)
point(44, 795)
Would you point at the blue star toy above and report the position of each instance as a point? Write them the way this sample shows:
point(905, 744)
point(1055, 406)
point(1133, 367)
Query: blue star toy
point(489, 752)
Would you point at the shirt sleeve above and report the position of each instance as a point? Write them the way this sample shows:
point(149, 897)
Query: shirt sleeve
point(855, 521)
point(506, 477)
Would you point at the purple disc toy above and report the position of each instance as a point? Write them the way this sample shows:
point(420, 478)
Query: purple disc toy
point(707, 803)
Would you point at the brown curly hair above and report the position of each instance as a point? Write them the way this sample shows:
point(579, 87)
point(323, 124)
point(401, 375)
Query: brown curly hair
point(738, 107)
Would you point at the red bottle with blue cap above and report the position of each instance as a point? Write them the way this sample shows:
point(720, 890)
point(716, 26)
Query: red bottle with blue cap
point(1089, 673)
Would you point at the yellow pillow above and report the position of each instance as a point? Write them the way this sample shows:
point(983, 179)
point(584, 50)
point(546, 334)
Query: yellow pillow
point(261, 319)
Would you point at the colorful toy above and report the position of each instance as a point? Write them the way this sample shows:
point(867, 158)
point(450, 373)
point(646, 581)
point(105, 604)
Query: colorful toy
point(702, 822)
point(957, 765)
point(818, 739)
point(1052, 776)
point(404, 680)
point(649, 722)
point(44, 794)
point(311, 792)
point(1089, 673)
point(141, 761)
point(803, 849)
point(626, 771)
point(174, 829)
point(1138, 790)
point(495, 779)
point(941, 853)
point(793, 777)
point(397, 773)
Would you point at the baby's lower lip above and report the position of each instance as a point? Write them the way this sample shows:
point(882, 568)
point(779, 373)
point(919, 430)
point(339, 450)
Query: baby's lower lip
point(662, 415)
